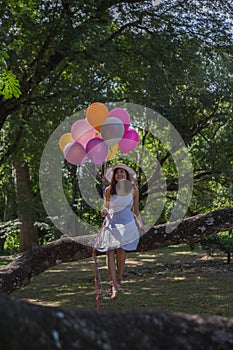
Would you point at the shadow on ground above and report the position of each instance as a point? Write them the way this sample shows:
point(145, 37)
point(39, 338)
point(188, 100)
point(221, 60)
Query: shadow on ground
point(169, 279)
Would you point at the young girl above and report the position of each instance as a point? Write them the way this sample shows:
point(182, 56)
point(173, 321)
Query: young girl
point(119, 232)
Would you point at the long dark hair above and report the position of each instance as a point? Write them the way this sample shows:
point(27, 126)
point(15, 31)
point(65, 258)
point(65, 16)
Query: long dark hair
point(114, 182)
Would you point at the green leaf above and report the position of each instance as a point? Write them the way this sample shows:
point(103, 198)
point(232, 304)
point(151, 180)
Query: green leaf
point(9, 85)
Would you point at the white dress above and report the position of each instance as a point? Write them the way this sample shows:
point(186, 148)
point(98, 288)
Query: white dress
point(119, 229)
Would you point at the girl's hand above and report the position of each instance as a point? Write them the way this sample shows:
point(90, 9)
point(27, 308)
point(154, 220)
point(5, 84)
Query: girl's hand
point(104, 212)
point(142, 227)
point(145, 228)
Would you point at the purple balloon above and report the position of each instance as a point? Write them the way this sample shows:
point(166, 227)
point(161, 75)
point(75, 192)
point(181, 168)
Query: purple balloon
point(75, 153)
point(122, 114)
point(129, 141)
point(97, 150)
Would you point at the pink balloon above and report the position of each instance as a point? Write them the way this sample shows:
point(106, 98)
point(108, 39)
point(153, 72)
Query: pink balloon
point(129, 141)
point(97, 150)
point(122, 114)
point(82, 131)
point(75, 153)
point(112, 130)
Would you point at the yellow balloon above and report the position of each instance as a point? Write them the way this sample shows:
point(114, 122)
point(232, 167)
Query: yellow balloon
point(64, 140)
point(96, 113)
point(111, 152)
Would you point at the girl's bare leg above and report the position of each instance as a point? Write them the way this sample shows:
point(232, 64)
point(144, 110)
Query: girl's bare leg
point(121, 256)
point(112, 267)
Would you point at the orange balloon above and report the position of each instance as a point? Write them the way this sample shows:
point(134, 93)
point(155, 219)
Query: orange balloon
point(111, 152)
point(96, 113)
point(64, 140)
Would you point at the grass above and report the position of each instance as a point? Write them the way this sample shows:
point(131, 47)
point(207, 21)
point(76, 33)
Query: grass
point(169, 279)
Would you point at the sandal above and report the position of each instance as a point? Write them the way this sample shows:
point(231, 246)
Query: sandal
point(114, 293)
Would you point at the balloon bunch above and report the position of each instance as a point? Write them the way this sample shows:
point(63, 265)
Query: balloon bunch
point(99, 136)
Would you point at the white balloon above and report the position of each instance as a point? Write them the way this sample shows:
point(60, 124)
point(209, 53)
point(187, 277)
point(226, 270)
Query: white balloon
point(112, 130)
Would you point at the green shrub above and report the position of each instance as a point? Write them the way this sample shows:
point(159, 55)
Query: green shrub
point(9, 235)
point(219, 242)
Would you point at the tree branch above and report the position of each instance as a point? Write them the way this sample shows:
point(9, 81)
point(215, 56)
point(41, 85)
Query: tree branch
point(20, 272)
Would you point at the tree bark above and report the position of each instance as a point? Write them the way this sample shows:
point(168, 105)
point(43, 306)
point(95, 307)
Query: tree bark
point(25, 207)
point(20, 272)
point(28, 326)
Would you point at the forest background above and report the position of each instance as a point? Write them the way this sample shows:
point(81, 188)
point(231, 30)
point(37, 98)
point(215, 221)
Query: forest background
point(57, 57)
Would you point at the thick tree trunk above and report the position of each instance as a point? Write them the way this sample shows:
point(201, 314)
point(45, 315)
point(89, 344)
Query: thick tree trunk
point(27, 326)
point(25, 207)
point(20, 272)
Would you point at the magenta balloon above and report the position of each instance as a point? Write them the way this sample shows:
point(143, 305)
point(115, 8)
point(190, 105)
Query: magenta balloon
point(122, 114)
point(112, 130)
point(82, 131)
point(129, 141)
point(75, 153)
point(97, 150)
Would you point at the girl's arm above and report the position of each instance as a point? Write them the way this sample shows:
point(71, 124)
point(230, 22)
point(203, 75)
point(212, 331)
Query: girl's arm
point(104, 211)
point(137, 212)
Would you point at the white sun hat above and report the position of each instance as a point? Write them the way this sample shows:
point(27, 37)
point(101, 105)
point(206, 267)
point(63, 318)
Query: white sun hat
point(110, 170)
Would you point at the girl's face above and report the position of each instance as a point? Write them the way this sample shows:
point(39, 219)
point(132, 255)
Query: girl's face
point(120, 174)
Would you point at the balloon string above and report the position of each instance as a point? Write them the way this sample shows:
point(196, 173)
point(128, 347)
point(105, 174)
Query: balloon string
point(98, 282)
point(92, 173)
point(103, 179)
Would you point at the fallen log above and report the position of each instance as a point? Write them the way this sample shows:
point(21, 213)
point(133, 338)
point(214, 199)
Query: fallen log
point(30, 264)
point(29, 326)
